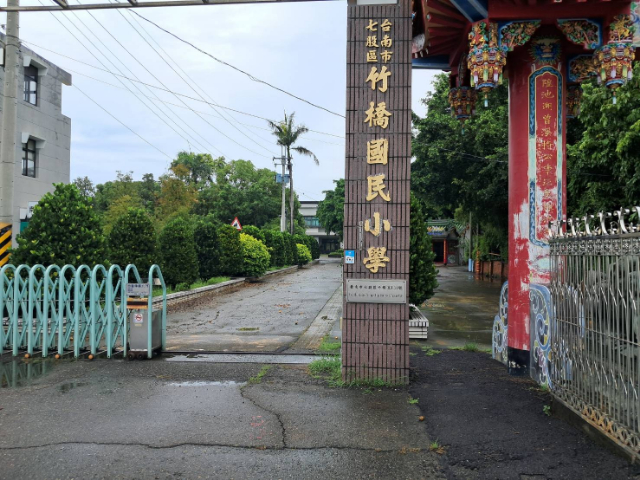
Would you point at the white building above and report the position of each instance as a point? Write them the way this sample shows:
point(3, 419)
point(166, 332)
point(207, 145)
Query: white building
point(42, 155)
point(328, 241)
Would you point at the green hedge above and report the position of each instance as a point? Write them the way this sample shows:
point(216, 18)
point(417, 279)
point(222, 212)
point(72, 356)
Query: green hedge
point(304, 255)
point(208, 248)
point(255, 232)
point(64, 229)
point(133, 240)
point(274, 241)
point(230, 250)
point(255, 256)
point(177, 252)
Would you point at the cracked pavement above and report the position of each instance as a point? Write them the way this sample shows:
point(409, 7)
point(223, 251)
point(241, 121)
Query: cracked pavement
point(167, 419)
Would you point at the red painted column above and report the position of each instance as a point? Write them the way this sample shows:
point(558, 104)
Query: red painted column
point(537, 178)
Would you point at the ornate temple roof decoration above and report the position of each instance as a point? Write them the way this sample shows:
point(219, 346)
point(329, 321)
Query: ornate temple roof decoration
point(516, 34)
point(545, 50)
point(580, 68)
point(582, 31)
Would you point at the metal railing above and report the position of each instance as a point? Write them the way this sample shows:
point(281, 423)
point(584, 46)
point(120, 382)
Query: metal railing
point(595, 327)
point(68, 309)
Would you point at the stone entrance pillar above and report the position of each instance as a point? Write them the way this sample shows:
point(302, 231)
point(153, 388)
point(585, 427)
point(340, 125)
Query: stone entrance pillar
point(537, 176)
point(375, 331)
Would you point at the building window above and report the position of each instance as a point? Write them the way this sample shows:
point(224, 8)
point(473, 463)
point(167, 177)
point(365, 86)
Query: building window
point(311, 222)
point(31, 85)
point(29, 159)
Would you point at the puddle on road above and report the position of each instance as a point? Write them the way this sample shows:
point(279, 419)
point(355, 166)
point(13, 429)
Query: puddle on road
point(224, 383)
point(65, 388)
point(18, 373)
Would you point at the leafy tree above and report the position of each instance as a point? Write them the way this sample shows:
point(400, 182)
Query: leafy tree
point(177, 252)
point(64, 229)
point(85, 185)
point(109, 192)
point(133, 240)
point(274, 241)
point(304, 255)
point(117, 209)
point(255, 256)
point(175, 197)
point(289, 245)
point(207, 247)
point(422, 272)
point(462, 168)
point(331, 209)
point(198, 168)
point(288, 133)
point(255, 232)
point(603, 166)
point(240, 190)
point(230, 250)
point(149, 190)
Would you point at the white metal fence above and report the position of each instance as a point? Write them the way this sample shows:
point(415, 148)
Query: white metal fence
point(595, 292)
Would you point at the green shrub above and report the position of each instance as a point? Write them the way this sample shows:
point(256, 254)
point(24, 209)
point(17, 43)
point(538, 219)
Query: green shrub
point(182, 287)
point(274, 241)
point(133, 240)
point(314, 247)
point(255, 232)
point(336, 254)
point(422, 272)
point(304, 255)
point(230, 250)
point(177, 252)
point(207, 247)
point(64, 229)
point(255, 256)
point(289, 246)
point(216, 280)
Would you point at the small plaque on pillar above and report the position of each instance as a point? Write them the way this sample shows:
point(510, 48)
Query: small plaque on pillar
point(376, 291)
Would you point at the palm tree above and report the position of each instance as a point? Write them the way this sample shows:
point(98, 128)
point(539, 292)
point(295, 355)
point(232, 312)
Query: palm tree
point(288, 133)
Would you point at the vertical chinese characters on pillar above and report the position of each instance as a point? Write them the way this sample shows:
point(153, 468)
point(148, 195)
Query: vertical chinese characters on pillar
point(378, 44)
point(546, 151)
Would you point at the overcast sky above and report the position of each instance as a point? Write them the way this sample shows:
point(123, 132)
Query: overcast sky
point(298, 47)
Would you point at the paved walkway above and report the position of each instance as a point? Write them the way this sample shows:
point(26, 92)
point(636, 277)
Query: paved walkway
point(462, 309)
point(267, 316)
point(165, 419)
point(493, 426)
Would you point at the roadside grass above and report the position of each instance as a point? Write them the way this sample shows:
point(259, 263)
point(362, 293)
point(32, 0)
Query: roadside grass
point(436, 447)
point(547, 410)
point(157, 291)
point(329, 368)
point(413, 401)
point(258, 378)
point(329, 345)
point(430, 352)
point(273, 269)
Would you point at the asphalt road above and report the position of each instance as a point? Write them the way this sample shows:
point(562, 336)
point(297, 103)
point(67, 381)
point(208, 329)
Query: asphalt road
point(266, 316)
point(167, 419)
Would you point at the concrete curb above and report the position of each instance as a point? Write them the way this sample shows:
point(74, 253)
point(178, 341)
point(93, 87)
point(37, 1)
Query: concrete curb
point(179, 297)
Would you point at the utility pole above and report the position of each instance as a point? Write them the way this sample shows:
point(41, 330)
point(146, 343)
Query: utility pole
point(283, 211)
point(9, 117)
point(290, 166)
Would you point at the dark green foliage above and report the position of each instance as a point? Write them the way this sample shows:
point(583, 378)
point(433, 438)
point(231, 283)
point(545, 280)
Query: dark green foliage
point(133, 240)
point(462, 170)
point(182, 287)
point(230, 250)
point(311, 243)
point(208, 249)
point(422, 273)
point(287, 239)
point(331, 209)
point(255, 256)
point(255, 232)
point(64, 229)
point(603, 166)
point(304, 255)
point(177, 252)
point(274, 241)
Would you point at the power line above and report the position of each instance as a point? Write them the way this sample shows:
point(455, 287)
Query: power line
point(156, 97)
point(28, 42)
point(122, 123)
point(200, 89)
point(106, 69)
point(236, 68)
